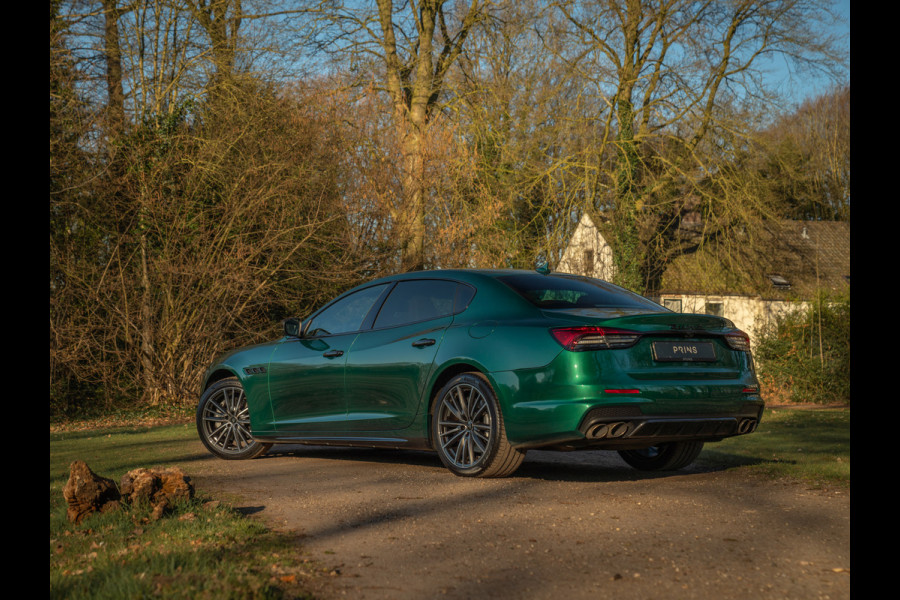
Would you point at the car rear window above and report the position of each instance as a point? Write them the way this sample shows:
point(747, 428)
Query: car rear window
point(573, 291)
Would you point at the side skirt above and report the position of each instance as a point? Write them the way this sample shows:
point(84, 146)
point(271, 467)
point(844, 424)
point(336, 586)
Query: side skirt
point(357, 441)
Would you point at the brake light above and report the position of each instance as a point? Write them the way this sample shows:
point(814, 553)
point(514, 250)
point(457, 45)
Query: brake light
point(578, 339)
point(738, 340)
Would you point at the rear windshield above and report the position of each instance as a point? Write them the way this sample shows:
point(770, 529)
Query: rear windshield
point(573, 291)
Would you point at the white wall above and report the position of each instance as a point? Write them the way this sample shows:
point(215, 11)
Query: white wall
point(587, 253)
point(748, 314)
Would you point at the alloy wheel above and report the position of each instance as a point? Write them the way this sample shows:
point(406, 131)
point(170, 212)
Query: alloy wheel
point(226, 421)
point(464, 426)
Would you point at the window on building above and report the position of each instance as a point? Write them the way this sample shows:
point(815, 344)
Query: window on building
point(715, 307)
point(780, 282)
point(673, 304)
point(588, 262)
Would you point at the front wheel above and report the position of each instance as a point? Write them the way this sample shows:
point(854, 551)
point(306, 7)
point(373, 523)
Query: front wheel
point(468, 432)
point(664, 457)
point(223, 422)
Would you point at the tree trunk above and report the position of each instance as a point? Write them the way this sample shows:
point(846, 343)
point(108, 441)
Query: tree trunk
point(222, 29)
point(627, 252)
point(627, 256)
point(414, 89)
point(116, 102)
point(151, 390)
point(413, 211)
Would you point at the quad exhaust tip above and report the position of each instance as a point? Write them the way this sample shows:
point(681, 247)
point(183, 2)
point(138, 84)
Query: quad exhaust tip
point(608, 430)
point(747, 425)
point(620, 428)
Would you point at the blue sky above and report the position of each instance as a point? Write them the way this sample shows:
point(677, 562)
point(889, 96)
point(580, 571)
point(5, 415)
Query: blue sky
point(799, 87)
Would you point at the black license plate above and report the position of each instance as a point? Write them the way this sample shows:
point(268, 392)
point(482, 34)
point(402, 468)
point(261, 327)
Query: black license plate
point(684, 351)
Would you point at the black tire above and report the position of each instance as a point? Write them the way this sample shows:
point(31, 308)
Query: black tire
point(664, 457)
point(467, 429)
point(223, 422)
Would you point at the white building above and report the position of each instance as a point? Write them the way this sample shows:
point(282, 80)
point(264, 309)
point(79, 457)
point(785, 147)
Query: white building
point(805, 256)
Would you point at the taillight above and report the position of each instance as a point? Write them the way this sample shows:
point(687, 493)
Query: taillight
point(594, 338)
point(738, 340)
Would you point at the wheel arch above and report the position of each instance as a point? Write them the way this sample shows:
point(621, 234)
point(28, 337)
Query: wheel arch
point(218, 375)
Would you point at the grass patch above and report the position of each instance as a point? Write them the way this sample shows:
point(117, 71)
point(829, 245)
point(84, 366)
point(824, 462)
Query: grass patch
point(202, 549)
point(812, 445)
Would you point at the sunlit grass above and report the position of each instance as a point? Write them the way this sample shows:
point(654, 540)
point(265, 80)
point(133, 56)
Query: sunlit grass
point(807, 444)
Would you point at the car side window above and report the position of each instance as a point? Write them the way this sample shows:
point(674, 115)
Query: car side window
point(422, 300)
point(347, 314)
point(462, 297)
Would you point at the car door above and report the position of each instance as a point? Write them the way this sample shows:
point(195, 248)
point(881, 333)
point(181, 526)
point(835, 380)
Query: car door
point(306, 374)
point(390, 364)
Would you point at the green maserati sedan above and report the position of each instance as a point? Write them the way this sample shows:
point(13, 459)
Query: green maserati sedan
point(483, 365)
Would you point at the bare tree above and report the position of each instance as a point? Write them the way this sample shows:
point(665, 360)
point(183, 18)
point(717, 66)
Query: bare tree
point(409, 49)
point(669, 71)
point(804, 158)
point(239, 225)
point(188, 224)
point(523, 113)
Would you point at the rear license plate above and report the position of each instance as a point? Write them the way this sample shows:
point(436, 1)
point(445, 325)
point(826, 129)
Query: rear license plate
point(684, 351)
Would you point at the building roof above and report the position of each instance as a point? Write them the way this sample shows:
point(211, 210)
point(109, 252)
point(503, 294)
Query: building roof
point(792, 259)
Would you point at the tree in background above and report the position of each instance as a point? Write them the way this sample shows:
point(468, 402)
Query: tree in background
point(407, 49)
point(523, 114)
point(672, 75)
point(805, 158)
point(186, 222)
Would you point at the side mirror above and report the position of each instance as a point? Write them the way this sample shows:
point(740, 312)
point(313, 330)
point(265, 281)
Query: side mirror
point(292, 327)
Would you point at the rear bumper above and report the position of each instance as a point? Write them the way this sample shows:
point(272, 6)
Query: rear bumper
point(552, 407)
point(602, 427)
point(627, 427)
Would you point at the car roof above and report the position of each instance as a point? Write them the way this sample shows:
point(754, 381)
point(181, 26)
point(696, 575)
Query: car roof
point(459, 274)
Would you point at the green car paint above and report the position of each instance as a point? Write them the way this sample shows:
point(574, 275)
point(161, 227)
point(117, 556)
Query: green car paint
point(378, 385)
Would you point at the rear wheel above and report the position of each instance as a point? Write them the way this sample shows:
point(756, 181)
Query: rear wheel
point(664, 457)
point(223, 422)
point(468, 432)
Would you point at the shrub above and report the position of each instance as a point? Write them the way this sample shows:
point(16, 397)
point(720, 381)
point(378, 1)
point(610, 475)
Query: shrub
point(197, 231)
point(804, 356)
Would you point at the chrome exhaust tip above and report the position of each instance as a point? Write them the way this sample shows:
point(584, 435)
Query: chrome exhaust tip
point(746, 425)
point(617, 429)
point(598, 431)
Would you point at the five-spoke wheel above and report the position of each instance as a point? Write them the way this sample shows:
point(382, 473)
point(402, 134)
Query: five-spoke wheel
point(468, 431)
point(223, 421)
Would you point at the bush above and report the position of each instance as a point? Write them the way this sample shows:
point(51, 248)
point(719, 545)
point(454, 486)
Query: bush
point(804, 356)
point(194, 232)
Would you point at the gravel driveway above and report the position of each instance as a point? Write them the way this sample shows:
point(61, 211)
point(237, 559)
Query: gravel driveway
point(397, 525)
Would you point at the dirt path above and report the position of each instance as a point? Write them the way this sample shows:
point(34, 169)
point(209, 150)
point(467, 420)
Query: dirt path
point(397, 525)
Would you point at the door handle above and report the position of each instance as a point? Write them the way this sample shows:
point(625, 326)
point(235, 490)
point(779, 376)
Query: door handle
point(423, 342)
point(333, 353)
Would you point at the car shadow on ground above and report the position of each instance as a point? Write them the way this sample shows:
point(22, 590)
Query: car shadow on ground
point(590, 465)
